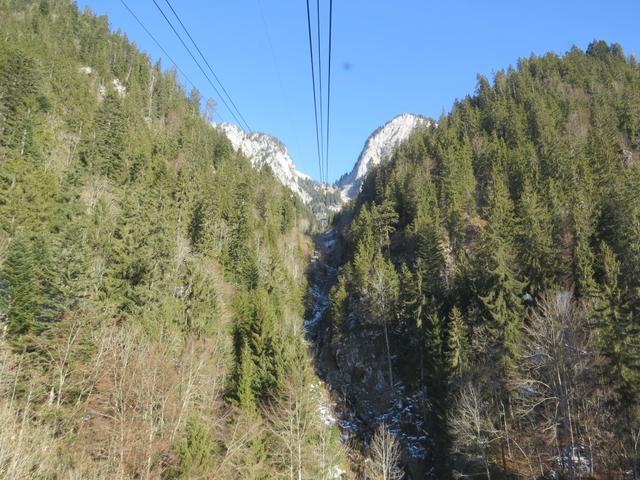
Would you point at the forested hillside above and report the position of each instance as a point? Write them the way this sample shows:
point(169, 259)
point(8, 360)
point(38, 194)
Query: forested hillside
point(498, 257)
point(151, 281)
point(475, 310)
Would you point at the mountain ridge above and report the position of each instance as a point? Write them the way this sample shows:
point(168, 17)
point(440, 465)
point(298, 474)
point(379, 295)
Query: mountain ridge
point(264, 149)
point(377, 148)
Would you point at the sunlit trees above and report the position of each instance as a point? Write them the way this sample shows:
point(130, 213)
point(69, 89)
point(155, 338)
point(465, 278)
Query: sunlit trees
point(384, 456)
point(457, 342)
point(131, 236)
point(526, 189)
point(383, 298)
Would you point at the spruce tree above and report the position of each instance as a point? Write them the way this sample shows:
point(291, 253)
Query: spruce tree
point(618, 329)
point(104, 143)
point(384, 219)
point(18, 89)
point(246, 380)
point(22, 296)
point(338, 305)
point(536, 252)
point(457, 343)
point(504, 306)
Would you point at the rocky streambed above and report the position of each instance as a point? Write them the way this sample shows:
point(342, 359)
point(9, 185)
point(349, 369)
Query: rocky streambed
point(353, 367)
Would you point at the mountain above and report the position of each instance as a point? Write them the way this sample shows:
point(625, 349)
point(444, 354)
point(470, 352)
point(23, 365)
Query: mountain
point(265, 150)
point(378, 147)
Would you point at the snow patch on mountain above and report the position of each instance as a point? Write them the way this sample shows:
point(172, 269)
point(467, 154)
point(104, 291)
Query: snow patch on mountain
point(263, 149)
point(378, 148)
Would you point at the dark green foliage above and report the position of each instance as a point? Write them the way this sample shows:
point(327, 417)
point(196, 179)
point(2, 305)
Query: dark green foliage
point(259, 348)
point(121, 206)
point(504, 306)
point(338, 305)
point(105, 139)
point(19, 104)
point(528, 187)
point(31, 297)
point(457, 342)
point(536, 248)
point(616, 318)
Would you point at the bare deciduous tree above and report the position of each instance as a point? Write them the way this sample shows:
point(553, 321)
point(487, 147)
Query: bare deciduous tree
point(383, 296)
point(291, 421)
point(384, 456)
point(473, 428)
point(555, 356)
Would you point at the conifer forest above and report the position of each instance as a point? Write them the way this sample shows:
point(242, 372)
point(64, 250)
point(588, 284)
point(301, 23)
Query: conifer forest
point(170, 311)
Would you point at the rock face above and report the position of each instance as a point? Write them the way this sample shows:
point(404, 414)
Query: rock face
point(379, 147)
point(263, 149)
point(353, 364)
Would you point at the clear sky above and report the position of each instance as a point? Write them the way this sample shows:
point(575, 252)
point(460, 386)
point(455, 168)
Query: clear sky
point(389, 56)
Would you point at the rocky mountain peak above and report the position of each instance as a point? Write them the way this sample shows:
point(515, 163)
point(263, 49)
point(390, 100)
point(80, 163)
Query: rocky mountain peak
point(379, 147)
point(263, 149)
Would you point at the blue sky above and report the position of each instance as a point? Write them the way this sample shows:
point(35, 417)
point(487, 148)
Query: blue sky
point(389, 56)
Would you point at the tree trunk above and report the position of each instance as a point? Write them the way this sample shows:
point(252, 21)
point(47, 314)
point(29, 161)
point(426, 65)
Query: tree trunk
point(386, 339)
point(486, 465)
point(504, 459)
point(152, 83)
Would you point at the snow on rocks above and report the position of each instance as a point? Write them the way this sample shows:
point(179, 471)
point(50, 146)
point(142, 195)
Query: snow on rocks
point(263, 149)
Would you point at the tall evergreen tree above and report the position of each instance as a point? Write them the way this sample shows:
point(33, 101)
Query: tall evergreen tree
point(457, 342)
point(505, 308)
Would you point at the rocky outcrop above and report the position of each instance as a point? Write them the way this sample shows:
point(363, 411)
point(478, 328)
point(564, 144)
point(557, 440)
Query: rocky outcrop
point(378, 148)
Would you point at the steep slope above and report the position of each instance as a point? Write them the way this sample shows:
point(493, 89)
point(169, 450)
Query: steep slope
point(151, 280)
point(489, 293)
point(378, 147)
point(266, 150)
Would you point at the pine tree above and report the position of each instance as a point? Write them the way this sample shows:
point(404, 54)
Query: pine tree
point(618, 330)
point(202, 304)
point(246, 380)
point(457, 343)
point(362, 262)
point(437, 380)
point(22, 294)
point(536, 252)
point(31, 298)
point(411, 301)
point(104, 143)
point(457, 185)
point(430, 257)
point(384, 219)
point(196, 450)
point(434, 348)
point(505, 309)
point(18, 89)
point(338, 305)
